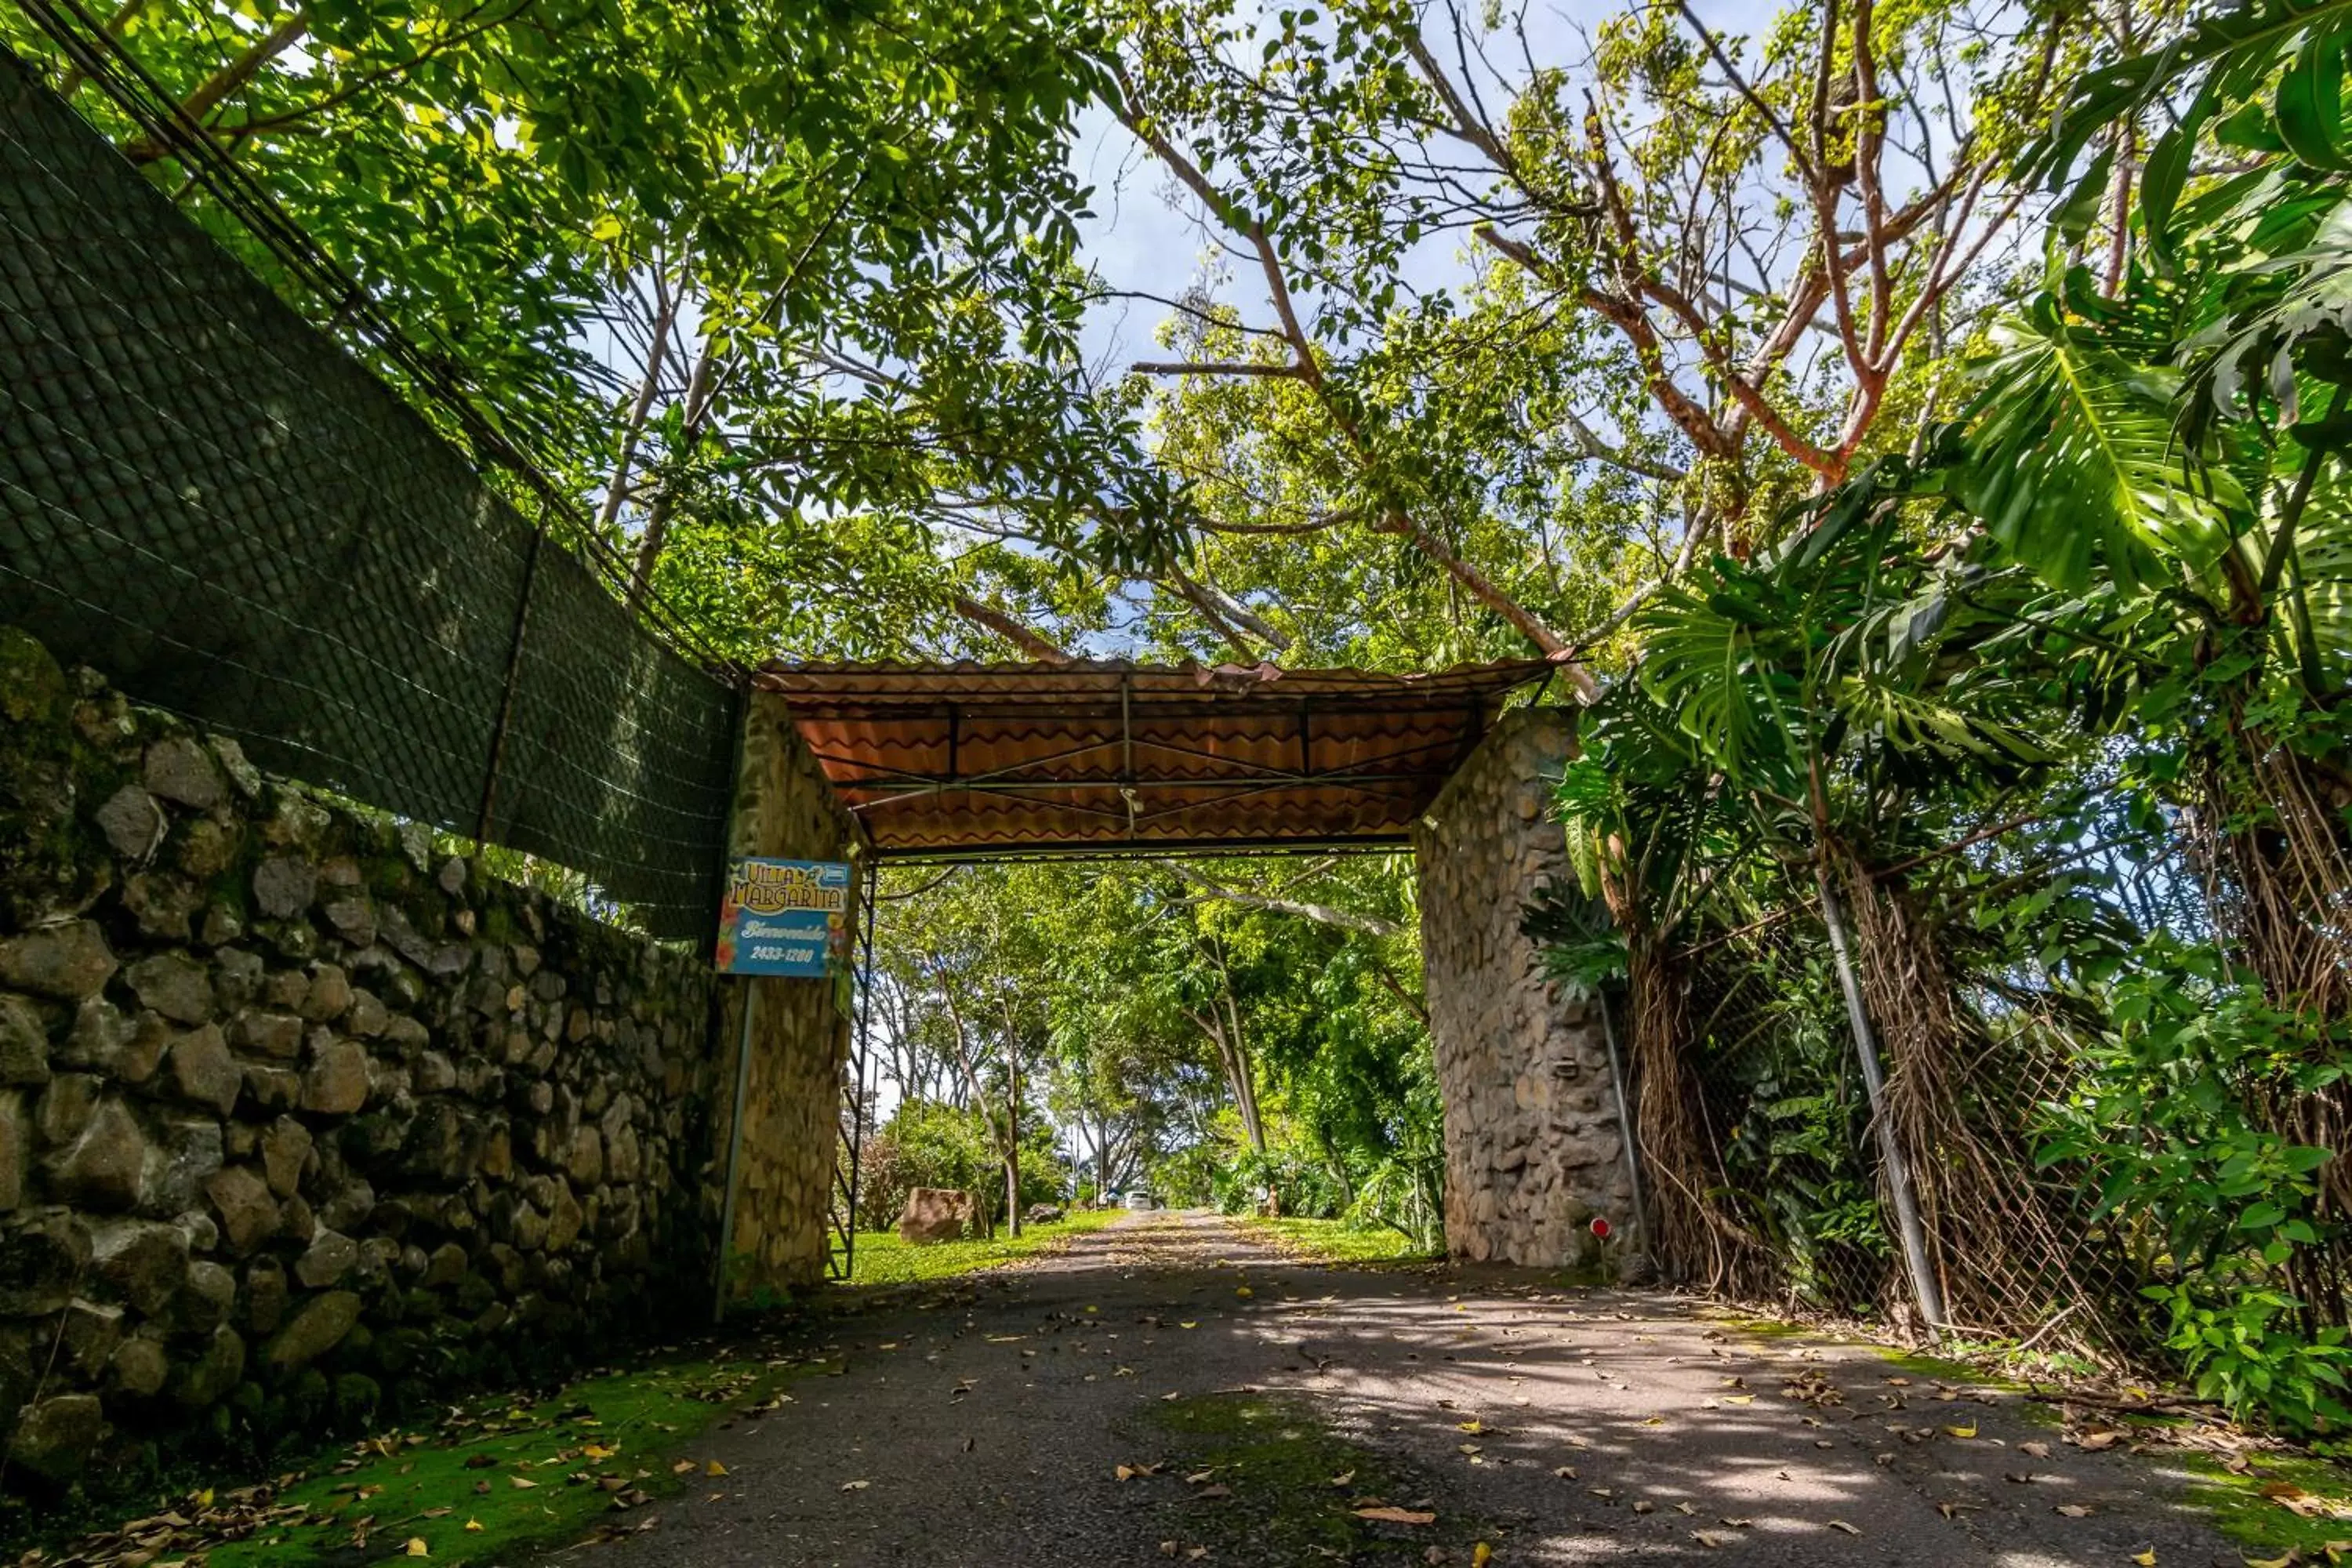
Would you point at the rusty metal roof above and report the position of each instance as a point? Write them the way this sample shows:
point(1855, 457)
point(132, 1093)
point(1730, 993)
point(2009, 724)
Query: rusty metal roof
point(960, 759)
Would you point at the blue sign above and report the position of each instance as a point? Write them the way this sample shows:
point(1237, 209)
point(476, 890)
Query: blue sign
point(785, 917)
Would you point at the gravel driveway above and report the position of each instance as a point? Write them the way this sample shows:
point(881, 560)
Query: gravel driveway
point(987, 1423)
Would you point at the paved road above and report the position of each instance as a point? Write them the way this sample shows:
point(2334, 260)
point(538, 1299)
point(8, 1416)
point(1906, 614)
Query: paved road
point(988, 1423)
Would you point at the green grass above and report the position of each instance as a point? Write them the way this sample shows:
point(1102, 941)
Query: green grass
point(883, 1259)
point(454, 1487)
point(2265, 1527)
point(1334, 1241)
point(1279, 1463)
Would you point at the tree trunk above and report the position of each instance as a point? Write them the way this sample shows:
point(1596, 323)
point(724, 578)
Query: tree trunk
point(656, 534)
point(1013, 1139)
point(665, 313)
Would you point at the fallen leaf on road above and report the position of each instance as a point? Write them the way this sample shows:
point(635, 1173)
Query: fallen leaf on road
point(681, 1467)
point(1198, 1477)
point(2145, 1558)
point(1969, 1431)
point(1709, 1538)
point(1644, 1505)
point(1471, 1427)
point(714, 1468)
point(522, 1483)
point(1243, 1291)
point(2039, 1450)
point(1385, 1515)
point(1345, 1478)
point(1565, 1472)
point(1481, 1554)
point(855, 1486)
point(2073, 1510)
point(1843, 1528)
point(2095, 1441)
point(1740, 1399)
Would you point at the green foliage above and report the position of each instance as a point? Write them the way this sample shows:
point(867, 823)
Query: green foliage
point(883, 1259)
point(926, 1143)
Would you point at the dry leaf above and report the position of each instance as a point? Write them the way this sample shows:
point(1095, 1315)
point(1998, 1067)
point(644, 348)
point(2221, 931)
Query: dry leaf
point(714, 1468)
point(416, 1547)
point(2145, 1558)
point(1343, 1478)
point(855, 1486)
point(1709, 1538)
point(1198, 1477)
point(1565, 1472)
point(1740, 1399)
point(1842, 1527)
point(1385, 1515)
point(1968, 1431)
point(1481, 1554)
point(1644, 1505)
point(473, 1524)
point(2073, 1510)
point(681, 1467)
point(2039, 1450)
point(522, 1483)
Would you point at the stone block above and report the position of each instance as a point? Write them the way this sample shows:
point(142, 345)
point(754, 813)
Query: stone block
point(133, 823)
point(283, 886)
point(336, 1081)
point(204, 1072)
point(173, 984)
point(180, 770)
point(100, 1170)
point(144, 1260)
point(249, 1213)
point(53, 1438)
point(318, 1326)
point(285, 1150)
point(69, 962)
point(24, 1043)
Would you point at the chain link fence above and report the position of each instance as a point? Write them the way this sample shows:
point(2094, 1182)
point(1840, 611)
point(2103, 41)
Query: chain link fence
point(209, 501)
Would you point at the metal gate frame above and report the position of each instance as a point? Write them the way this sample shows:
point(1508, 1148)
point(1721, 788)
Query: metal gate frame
point(840, 1261)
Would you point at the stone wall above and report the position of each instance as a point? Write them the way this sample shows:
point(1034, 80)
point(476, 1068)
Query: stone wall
point(800, 1028)
point(1533, 1147)
point(302, 1122)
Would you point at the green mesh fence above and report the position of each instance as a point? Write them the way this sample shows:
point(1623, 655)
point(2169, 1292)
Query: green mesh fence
point(209, 501)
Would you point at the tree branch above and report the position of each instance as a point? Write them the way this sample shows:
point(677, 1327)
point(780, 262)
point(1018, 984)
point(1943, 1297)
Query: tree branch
point(1037, 647)
point(1322, 914)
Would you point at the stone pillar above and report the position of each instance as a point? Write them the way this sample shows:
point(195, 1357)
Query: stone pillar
point(799, 1031)
point(1533, 1146)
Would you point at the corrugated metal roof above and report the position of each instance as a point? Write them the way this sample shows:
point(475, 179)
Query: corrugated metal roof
point(970, 758)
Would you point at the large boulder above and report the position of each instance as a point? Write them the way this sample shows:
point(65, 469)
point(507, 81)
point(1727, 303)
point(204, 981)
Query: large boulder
point(54, 1437)
point(938, 1213)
